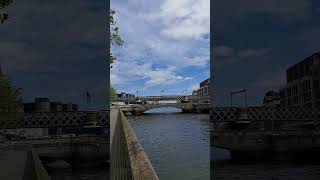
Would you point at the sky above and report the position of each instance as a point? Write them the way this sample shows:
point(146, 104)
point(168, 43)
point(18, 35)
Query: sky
point(254, 42)
point(166, 46)
point(57, 49)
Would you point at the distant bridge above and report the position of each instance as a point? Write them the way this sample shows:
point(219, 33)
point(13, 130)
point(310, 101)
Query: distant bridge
point(161, 98)
point(139, 104)
point(137, 109)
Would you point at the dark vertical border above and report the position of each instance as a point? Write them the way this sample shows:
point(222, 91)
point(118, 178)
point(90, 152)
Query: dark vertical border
point(108, 71)
point(211, 85)
point(108, 53)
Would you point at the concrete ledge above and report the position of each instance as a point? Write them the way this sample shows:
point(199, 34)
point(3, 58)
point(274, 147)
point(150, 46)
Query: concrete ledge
point(22, 165)
point(140, 164)
point(128, 159)
point(40, 171)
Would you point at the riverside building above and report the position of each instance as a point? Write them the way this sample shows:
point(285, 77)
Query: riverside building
point(302, 89)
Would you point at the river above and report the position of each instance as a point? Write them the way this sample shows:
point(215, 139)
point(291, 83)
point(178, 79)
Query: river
point(177, 144)
point(224, 169)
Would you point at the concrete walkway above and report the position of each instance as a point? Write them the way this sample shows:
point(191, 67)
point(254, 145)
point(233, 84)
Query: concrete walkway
point(12, 164)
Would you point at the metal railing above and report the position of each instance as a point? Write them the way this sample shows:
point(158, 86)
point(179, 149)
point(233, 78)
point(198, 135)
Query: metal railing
point(160, 98)
point(128, 159)
point(52, 119)
point(266, 119)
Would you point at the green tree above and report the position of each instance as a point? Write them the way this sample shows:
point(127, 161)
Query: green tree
point(113, 93)
point(3, 4)
point(115, 40)
point(10, 97)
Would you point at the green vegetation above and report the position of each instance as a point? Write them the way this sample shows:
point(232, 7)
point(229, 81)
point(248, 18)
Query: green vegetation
point(113, 93)
point(10, 97)
point(3, 4)
point(115, 40)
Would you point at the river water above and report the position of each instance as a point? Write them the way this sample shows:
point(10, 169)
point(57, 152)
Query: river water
point(177, 144)
point(223, 168)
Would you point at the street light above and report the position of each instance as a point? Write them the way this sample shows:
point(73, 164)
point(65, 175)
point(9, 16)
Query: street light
point(162, 92)
point(238, 92)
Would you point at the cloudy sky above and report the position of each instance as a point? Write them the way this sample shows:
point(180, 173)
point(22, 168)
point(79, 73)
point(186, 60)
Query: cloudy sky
point(166, 46)
point(256, 41)
point(56, 49)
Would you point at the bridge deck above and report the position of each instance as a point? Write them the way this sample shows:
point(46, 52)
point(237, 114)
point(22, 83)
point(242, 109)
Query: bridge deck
point(263, 128)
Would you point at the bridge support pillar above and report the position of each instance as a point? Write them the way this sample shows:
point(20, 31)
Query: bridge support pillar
point(187, 111)
point(137, 113)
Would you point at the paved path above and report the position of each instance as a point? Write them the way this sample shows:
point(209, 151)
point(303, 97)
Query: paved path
point(113, 117)
point(12, 164)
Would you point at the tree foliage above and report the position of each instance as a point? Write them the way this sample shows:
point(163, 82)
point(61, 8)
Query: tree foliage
point(113, 93)
point(3, 4)
point(115, 38)
point(10, 97)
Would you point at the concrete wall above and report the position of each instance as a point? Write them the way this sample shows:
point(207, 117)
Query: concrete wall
point(21, 165)
point(128, 159)
point(82, 149)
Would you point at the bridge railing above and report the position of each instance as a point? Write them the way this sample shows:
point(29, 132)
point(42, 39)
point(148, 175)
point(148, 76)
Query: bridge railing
point(128, 159)
point(52, 119)
point(160, 98)
point(267, 118)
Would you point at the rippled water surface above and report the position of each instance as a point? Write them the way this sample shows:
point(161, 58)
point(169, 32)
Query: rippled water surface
point(224, 169)
point(176, 144)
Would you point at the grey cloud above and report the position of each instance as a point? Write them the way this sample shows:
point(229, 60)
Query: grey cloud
point(56, 48)
point(244, 7)
point(226, 55)
point(223, 51)
point(249, 53)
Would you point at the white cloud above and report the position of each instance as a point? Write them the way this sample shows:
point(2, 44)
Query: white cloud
point(151, 55)
point(185, 18)
point(131, 71)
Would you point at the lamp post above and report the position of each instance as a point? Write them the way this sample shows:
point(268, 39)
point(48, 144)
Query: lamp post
point(243, 91)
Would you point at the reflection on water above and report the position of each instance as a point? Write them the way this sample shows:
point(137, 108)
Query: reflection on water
point(224, 169)
point(176, 144)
